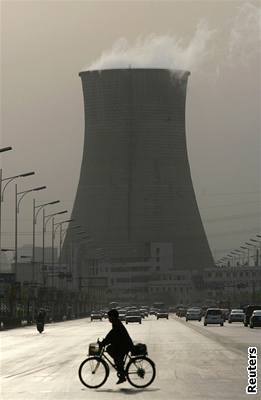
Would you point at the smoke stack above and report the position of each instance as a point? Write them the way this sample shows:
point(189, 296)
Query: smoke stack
point(135, 185)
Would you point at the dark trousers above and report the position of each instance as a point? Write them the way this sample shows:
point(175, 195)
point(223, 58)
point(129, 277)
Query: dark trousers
point(118, 357)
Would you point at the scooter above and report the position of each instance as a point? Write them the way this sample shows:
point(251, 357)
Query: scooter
point(40, 327)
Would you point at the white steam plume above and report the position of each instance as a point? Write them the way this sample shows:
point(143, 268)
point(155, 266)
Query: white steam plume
point(245, 34)
point(157, 52)
point(242, 43)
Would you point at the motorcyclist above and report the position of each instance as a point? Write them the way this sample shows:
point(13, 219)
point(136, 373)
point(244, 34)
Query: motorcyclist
point(119, 342)
point(40, 319)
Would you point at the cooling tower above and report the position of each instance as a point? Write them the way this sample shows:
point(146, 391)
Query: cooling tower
point(135, 185)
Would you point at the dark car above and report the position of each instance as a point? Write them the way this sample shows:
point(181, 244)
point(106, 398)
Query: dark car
point(255, 319)
point(181, 312)
point(162, 314)
point(248, 312)
point(133, 316)
point(96, 315)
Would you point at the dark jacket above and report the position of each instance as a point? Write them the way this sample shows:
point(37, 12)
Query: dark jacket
point(40, 317)
point(119, 338)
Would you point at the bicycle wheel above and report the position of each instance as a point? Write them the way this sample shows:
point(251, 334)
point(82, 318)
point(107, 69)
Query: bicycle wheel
point(140, 371)
point(93, 372)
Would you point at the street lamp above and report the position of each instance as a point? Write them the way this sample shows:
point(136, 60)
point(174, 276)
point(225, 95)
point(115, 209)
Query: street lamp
point(240, 252)
point(59, 225)
point(56, 226)
point(7, 181)
point(246, 248)
point(5, 149)
point(46, 219)
point(258, 253)
point(17, 203)
point(252, 245)
point(7, 250)
point(257, 250)
point(35, 214)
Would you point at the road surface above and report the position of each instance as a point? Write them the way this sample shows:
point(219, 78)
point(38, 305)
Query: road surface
point(193, 362)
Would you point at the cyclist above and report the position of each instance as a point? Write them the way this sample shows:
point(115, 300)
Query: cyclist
point(119, 342)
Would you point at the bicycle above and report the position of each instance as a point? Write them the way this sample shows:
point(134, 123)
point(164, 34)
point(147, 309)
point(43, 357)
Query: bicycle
point(94, 371)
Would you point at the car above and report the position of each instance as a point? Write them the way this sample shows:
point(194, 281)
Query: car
point(144, 311)
point(122, 314)
point(236, 315)
point(181, 312)
point(96, 315)
point(133, 316)
point(214, 316)
point(255, 319)
point(193, 314)
point(248, 312)
point(153, 311)
point(162, 314)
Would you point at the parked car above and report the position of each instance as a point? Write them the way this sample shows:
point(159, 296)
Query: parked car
point(133, 316)
point(96, 315)
point(236, 315)
point(248, 312)
point(214, 316)
point(255, 319)
point(193, 314)
point(162, 314)
point(153, 311)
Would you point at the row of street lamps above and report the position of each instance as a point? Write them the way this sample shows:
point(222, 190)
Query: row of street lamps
point(36, 210)
point(231, 257)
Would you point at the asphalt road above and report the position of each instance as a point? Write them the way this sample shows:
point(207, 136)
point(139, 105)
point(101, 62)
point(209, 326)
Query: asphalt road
point(193, 362)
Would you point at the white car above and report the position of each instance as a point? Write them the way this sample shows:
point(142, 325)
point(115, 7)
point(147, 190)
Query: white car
point(122, 314)
point(214, 316)
point(236, 315)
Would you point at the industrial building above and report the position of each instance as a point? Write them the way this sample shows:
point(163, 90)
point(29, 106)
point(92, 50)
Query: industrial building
point(135, 186)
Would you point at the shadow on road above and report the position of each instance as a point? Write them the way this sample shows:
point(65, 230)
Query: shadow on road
point(127, 390)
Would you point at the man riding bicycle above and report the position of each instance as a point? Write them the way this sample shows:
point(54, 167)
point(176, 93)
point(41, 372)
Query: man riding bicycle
point(119, 342)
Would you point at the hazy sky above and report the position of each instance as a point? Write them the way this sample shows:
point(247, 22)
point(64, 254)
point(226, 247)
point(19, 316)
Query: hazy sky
point(44, 45)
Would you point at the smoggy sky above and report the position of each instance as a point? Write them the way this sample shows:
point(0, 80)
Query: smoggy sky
point(44, 45)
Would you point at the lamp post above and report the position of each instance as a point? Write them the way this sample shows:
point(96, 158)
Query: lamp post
point(55, 227)
point(59, 225)
point(250, 244)
point(17, 203)
point(35, 214)
point(240, 252)
point(258, 251)
point(246, 248)
point(2, 189)
point(235, 254)
point(46, 219)
point(5, 149)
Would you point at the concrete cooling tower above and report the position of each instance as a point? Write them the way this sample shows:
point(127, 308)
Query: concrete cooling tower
point(135, 186)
